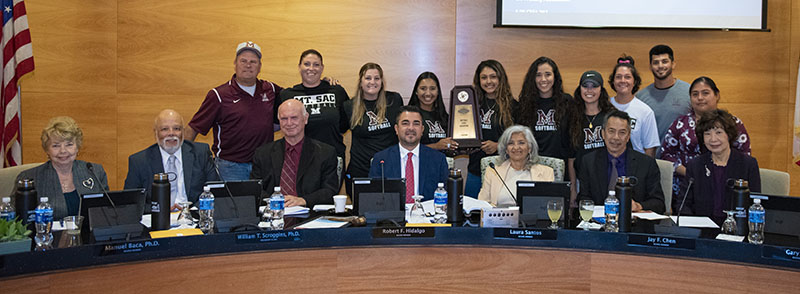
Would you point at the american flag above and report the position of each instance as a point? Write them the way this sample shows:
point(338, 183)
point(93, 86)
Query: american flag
point(17, 61)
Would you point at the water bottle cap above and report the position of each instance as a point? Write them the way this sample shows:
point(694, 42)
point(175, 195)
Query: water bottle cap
point(6, 199)
point(441, 185)
point(612, 192)
point(25, 183)
point(277, 189)
point(206, 189)
point(757, 201)
point(44, 199)
point(161, 177)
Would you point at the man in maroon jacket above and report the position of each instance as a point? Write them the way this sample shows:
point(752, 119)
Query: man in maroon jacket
point(242, 113)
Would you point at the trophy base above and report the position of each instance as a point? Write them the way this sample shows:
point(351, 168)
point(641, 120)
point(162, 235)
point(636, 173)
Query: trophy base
point(468, 143)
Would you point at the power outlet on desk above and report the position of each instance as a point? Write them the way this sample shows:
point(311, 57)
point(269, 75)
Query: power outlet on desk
point(500, 217)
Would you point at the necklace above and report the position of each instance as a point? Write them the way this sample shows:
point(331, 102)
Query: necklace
point(591, 125)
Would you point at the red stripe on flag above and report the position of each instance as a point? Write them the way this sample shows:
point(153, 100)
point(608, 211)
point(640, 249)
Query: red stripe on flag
point(19, 10)
point(11, 132)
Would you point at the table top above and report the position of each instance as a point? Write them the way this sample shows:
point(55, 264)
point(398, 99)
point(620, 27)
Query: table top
point(782, 252)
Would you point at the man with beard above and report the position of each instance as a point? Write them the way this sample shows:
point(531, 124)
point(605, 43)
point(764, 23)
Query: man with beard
point(667, 95)
point(421, 166)
point(600, 169)
point(304, 168)
point(189, 164)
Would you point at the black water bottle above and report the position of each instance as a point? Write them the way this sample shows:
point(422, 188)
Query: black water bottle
point(25, 201)
point(160, 202)
point(624, 192)
point(455, 203)
point(741, 201)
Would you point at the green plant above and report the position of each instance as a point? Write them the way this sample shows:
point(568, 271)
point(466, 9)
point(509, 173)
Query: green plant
point(13, 230)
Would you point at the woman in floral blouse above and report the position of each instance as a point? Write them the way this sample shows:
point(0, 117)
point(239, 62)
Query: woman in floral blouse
point(680, 143)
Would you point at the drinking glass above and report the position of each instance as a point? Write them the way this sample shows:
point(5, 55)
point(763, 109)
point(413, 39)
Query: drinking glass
point(586, 208)
point(185, 218)
point(417, 214)
point(554, 210)
point(72, 225)
point(729, 226)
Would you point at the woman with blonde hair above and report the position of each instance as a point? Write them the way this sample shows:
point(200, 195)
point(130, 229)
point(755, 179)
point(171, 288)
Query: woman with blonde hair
point(63, 178)
point(372, 113)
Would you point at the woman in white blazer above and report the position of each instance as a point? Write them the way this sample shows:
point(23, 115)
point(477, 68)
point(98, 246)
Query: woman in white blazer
point(520, 154)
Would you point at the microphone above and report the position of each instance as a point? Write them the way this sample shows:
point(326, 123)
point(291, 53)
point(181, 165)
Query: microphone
point(491, 164)
point(678, 218)
point(91, 170)
point(383, 178)
point(225, 184)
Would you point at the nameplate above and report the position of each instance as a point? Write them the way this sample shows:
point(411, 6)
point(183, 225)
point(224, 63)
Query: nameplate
point(661, 241)
point(268, 237)
point(782, 253)
point(403, 233)
point(528, 234)
point(133, 247)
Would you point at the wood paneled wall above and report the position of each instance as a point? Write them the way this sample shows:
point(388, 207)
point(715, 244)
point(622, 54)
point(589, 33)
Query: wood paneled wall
point(112, 65)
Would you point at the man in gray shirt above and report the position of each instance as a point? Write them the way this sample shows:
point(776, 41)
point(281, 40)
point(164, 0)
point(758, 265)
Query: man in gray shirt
point(667, 95)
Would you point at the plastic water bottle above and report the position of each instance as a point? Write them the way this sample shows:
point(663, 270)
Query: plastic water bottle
point(756, 222)
point(440, 205)
point(7, 210)
point(276, 202)
point(206, 206)
point(44, 222)
point(612, 208)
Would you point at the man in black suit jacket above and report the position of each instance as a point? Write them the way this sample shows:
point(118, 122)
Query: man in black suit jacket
point(314, 171)
point(195, 168)
point(595, 171)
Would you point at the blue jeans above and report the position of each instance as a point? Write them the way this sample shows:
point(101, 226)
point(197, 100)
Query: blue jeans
point(234, 171)
point(473, 186)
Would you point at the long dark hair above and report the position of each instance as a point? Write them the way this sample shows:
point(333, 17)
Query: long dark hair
point(579, 110)
point(504, 97)
point(439, 110)
point(529, 96)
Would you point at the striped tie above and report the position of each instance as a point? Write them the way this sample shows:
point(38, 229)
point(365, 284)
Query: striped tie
point(289, 174)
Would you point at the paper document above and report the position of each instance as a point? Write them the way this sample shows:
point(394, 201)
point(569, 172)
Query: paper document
point(649, 215)
point(326, 207)
point(727, 237)
point(173, 219)
point(288, 211)
point(322, 223)
point(295, 210)
point(599, 211)
point(695, 222)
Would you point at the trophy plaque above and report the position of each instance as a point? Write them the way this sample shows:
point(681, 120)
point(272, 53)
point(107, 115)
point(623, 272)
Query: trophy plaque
point(464, 127)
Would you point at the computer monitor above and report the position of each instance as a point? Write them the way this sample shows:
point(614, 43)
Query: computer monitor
point(238, 189)
point(782, 213)
point(532, 198)
point(246, 195)
point(380, 199)
point(117, 222)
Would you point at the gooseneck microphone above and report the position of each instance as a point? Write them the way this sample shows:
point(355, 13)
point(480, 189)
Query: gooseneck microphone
point(491, 164)
point(383, 178)
point(105, 192)
point(688, 187)
point(225, 184)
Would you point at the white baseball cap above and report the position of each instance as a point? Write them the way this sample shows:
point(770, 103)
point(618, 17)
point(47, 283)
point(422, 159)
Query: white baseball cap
point(249, 45)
